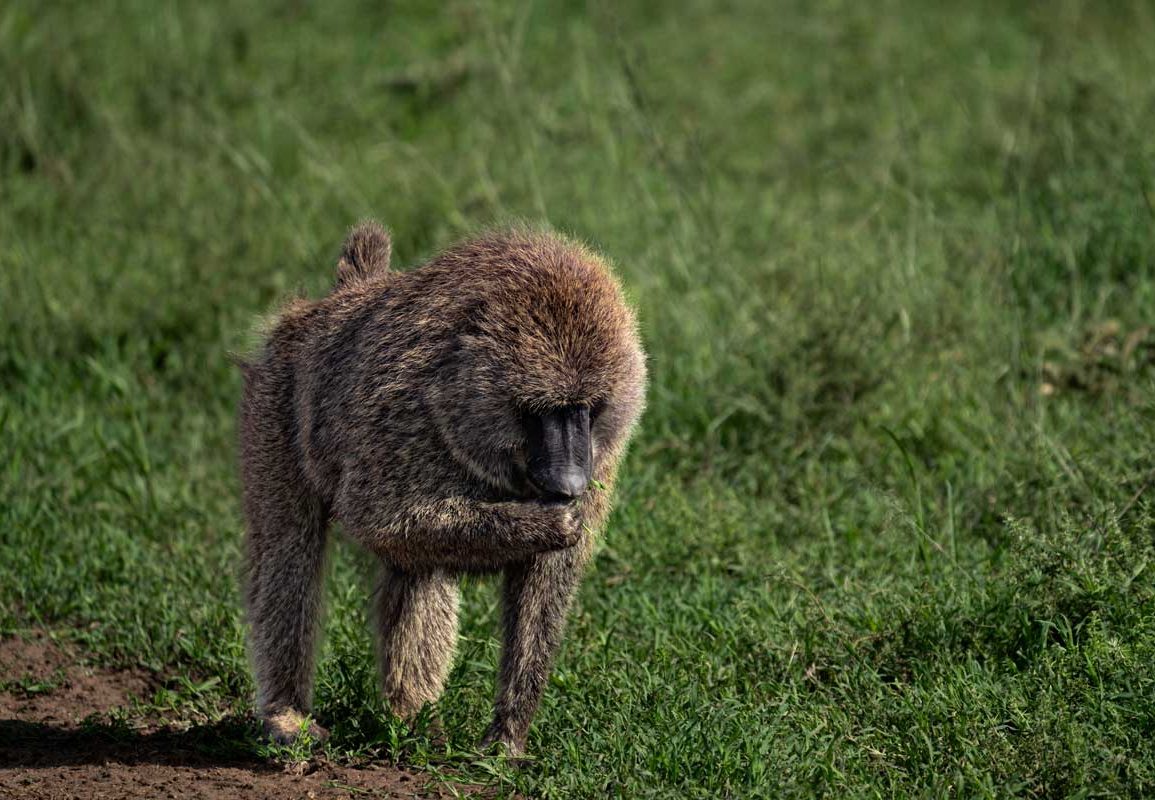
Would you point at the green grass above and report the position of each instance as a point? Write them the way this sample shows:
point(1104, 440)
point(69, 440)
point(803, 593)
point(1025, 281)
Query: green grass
point(887, 529)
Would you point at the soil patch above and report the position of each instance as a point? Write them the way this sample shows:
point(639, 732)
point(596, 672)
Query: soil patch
point(49, 749)
point(43, 681)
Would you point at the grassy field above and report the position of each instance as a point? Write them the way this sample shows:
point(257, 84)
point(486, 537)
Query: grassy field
point(888, 528)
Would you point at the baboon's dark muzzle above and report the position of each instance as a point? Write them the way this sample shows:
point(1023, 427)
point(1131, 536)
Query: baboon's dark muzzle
point(560, 452)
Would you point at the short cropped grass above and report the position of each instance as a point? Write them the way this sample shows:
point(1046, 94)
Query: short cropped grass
point(887, 529)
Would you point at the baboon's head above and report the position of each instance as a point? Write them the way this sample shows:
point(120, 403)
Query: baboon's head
point(546, 377)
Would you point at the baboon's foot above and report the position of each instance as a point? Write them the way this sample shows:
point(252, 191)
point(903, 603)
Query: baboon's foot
point(503, 742)
point(409, 706)
point(287, 727)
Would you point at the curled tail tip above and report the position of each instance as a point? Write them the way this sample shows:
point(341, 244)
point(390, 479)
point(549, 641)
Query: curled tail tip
point(366, 252)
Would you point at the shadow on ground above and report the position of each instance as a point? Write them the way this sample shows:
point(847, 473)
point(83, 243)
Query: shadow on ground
point(212, 762)
point(39, 744)
point(61, 736)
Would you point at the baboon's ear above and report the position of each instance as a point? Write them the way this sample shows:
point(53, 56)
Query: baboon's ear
point(366, 252)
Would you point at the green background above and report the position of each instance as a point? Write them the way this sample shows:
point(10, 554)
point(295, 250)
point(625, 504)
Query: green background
point(886, 528)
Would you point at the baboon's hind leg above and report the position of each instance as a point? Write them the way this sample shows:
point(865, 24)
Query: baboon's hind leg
point(416, 618)
point(285, 558)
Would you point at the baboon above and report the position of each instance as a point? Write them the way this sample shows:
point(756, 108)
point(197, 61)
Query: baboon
point(467, 416)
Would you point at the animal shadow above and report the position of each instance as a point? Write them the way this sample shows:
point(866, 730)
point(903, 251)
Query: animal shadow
point(38, 744)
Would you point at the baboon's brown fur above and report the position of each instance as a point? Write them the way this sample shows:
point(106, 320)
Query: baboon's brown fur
point(393, 405)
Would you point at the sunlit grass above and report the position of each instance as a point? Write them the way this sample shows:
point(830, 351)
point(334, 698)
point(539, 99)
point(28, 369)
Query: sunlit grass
point(886, 529)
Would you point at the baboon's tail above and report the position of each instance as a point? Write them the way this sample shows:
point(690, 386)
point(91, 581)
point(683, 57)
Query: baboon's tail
point(366, 253)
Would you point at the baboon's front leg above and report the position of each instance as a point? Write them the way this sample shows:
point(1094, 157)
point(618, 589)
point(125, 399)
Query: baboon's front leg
point(537, 596)
point(416, 615)
point(286, 549)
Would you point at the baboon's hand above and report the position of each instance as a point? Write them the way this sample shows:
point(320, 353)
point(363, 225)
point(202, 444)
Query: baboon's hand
point(551, 526)
point(463, 533)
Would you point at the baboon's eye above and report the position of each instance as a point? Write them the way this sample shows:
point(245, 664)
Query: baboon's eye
point(596, 410)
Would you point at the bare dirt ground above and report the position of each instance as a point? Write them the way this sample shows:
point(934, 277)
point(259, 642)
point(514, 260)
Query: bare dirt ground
point(47, 752)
